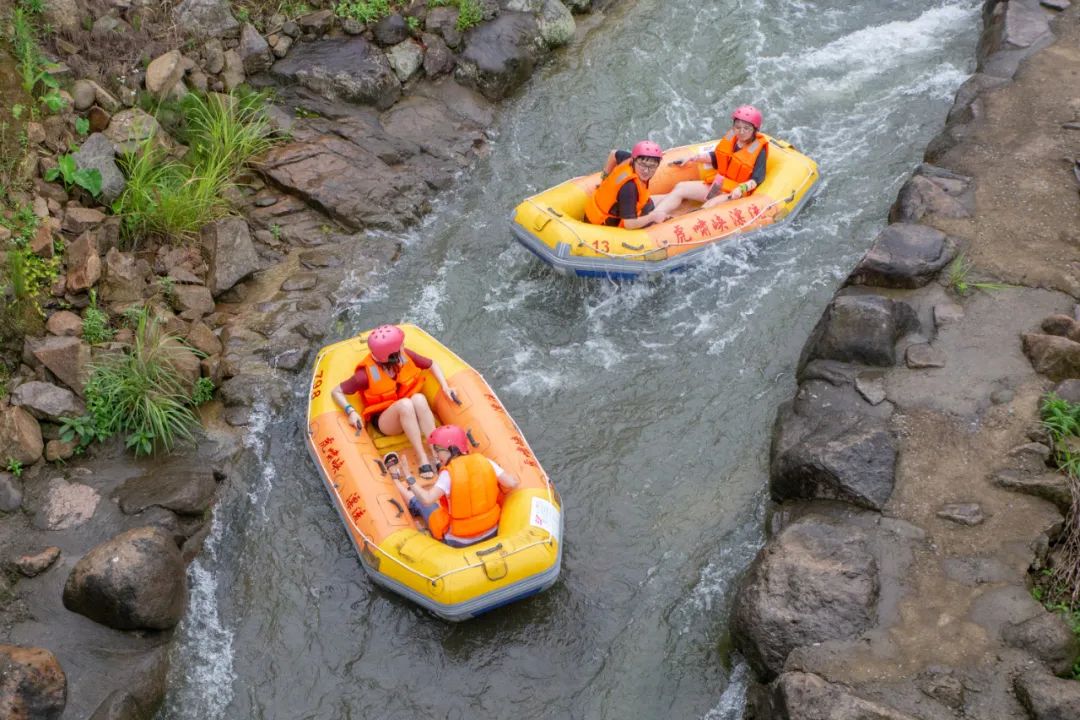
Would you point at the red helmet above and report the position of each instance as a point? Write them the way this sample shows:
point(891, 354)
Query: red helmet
point(647, 148)
point(748, 113)
point(384, 341)
point(450, 437)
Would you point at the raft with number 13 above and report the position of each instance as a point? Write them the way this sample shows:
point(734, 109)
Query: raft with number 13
point(552, 223)
point(521, 559)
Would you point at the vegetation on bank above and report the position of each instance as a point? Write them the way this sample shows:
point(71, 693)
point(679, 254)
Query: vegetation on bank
point(365, 12)
point(1058, 586)
point(958, 278)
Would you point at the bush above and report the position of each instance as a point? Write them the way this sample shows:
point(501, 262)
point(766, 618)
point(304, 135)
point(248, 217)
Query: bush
point(139, 393)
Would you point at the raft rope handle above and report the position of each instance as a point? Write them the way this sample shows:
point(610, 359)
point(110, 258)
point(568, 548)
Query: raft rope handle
point(733, 231)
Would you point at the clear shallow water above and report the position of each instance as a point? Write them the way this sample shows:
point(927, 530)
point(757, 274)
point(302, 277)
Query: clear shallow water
point(649, 404)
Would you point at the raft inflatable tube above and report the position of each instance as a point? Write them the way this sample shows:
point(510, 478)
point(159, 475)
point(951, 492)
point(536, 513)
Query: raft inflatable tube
point(522, 559)
point(552, 223)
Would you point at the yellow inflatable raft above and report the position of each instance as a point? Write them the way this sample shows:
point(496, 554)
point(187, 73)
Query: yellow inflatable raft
point(523, 558)
point(552, 225)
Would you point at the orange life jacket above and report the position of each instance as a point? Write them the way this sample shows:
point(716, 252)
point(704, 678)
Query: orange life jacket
point(737, 166)
point(473, 506)
point(598, 208)
point(382, 390)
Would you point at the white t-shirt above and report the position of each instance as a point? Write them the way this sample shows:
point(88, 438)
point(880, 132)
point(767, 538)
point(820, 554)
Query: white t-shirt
point(443, 481)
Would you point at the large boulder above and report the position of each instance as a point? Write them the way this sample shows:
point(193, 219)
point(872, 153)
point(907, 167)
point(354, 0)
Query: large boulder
point(254, 51)
point(805, 696)
point(134, 581)
point(229, 253)
point(936, 192)
point(164, 72)
point(556, 23)
point(904, 255)
point(46, 401)
point(1047, 637)
point(32, 684)
point(98, 153)
point(1056, 357)
point(350, 69)
point(205, 18)
point(500, 55)
point(816, 581)
point(185, 493)
point(860, 329)
point(20, 436)
point(1046, 697)
point(68, 358)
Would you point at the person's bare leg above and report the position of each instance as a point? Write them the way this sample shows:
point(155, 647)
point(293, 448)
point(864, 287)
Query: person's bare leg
point(424, 416)
point(686, 190)
point(401, 418)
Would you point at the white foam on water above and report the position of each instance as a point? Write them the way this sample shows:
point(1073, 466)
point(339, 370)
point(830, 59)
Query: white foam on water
point(732, 701)
point(256, 441)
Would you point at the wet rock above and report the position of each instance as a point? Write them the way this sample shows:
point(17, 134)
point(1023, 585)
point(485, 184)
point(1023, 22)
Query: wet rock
point(872, 388)
point(947, 314)
point(20, 436)
point(47, 402)
point(133, 581)
point(391, 30)
point(500, 55)
point(1061, 325)
point(923, 355)
point(556, 23)
point(1031, 456)
point(405, 58)
point(816, 581)
point(320, 258)
point(83, 263)
point(805, 696)
point(123, 282)
point(65, 324)
point(438, 58)
point(78, 220)
point(943, 686)
point(32, 684)
point(183, 492)
point(68, 358)
point(830, 371)
point(254, 50)
point(34, 565)
point(164, 72)
point(947, 197)
point(300, 281)
point(904, 255)
point(962, 513)
point(203, 339)
point(238, 416)
point(83, 94)
point(442, 21)
point(231, 255)
point(1046, 697)
point(1049, 486)
point(349, 69)
point(118, 705)
point(205, 18)
point(1047, 637)
point(250, 391)
point(849, 457)
point(1056, 357)
point(1056, 4)
point(10, 493)
point(67, 505)
point(860, 329)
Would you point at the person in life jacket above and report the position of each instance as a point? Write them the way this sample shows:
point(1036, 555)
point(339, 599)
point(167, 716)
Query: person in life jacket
point(622, 199)
point(464, 504)
point(733, 169)
point(389, 381)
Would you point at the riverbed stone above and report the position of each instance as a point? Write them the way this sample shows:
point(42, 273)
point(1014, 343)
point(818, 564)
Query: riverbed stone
point(34, 565)
point(390, 30)
point(556, 23)
point(130, 129)
point(1061, 325)
point(203, 339)
point(406, 59)
point(860, 329)
point(816, 581)
point(164, 72)
point(123, 281)
point(904, 255)
point(300, 281)
point(184, 492)
point(46, 401)
point(1046, 697)
point(65, 324)
point(32, 684)
point(924, 355)
point(83, 263)
point(20, 436)
point(499, 56)
point(205, 18)
point(315, 23)
point(83, 95)
point(1047, 637)
point(806, 696)
point(922, 196)
point(350, 69)
point(11, 496)
point(1051, 486)
point(56, 450)
point(118, 705)
point(871, 387)
point(254, 51)
point(229, 253)
point(250, 390)
point(1056, 357)
point(68, 358)
point(442, 21)
point(438, 58)
point(133, 581)
point(78, 220)
point(67, 505)
point(1068, 390)
point(962, 513)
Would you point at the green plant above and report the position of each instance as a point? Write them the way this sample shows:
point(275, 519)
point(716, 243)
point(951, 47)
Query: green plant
point(82, 428)
point(167, 287)
point(363, 11)
point(66, 169)
point(139, 392)
point(229, 129)
point(957, 277)
point(203, 392)
point(95, 325)
point(82, 126)
point(413, 22)
point(470, 14)
point(275, 231)
point(53, 100)
point(15, 467)
point(17, 110)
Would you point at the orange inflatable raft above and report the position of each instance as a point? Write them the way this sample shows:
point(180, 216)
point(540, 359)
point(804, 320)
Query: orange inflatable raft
point(525, 555)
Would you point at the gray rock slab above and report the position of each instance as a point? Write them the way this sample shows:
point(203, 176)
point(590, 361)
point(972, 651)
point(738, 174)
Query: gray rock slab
point(904, 255)
point(97, 152)
point(187, 492)
point(1047, 697)
point(350, 69)
point(923, 355)
point(962, 513)
point(67, 505)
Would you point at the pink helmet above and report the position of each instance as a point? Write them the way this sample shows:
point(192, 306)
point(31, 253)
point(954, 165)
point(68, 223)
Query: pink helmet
point(748, 113)
point(647, 148)
point(384, 341)
point(450, 437)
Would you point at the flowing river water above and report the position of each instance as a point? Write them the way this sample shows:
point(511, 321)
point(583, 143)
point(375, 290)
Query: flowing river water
point(649, 404)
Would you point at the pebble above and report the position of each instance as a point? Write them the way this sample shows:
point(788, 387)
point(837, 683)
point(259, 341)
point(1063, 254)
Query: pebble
point(962, 513)
point(266, 201)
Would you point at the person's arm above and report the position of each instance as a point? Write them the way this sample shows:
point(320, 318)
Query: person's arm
point(338, 395)
point(430, 496)
point(756, 178)
point(508, 481)
point(628, 198)
point(610, 163)
point(438, 373)
point(701, 157)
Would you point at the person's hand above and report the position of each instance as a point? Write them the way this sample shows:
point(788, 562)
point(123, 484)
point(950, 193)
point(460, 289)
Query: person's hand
point(721, 198)
point(452, 394)
point(736, 193)
point(656, 216)
point(678, 163)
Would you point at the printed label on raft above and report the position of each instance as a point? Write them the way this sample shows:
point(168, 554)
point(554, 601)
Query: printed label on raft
point(545, 516)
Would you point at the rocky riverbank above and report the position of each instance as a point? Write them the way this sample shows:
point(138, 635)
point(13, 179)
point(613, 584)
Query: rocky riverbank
point(910, 471)
point(379, 117)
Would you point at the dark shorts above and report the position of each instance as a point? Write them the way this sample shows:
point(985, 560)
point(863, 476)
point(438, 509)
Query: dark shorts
point(373, 421)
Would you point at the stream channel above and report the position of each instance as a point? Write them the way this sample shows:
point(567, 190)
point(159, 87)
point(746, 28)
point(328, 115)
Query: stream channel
point(650, 404)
